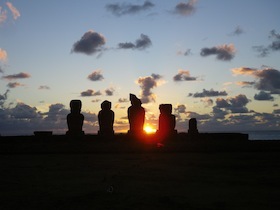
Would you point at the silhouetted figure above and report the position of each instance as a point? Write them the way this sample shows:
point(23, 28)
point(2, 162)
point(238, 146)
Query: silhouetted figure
point(106, 119)
point(167, 121)
point(193, 126)
point(75, 119)
point(136, 116)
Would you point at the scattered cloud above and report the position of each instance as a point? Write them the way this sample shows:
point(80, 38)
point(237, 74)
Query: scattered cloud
point(3, 55)
point(3, 15)
point(223, 52)
point(185, 9)
point(109, 91)
point(245, 83)
point(14, 84)
point(140, 44)
point(15, 12)
point(1, 70)
point(180, 109)
point(146, 85)
point(23, 111)
point(3, 98)
point(123, 100)
point(183, 75)
point(44, 87)
point(96, 76)
point(20, 75)
point(274, 46)
point(96, 100)
point(263, 51)
point(244, 71)
point(127, 8)
point(207, 101)
point(90, 92)
point(208, 93)
point(276, 111)
point(268, 79)
point(90, 43)
point(185, 53)
point(237, 31)
point(263, 96)
point(235, 104)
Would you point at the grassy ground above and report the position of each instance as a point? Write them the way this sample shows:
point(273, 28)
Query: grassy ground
point(188, 180)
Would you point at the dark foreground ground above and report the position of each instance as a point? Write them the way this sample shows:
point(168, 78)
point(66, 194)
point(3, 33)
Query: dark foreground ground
point(63, 174)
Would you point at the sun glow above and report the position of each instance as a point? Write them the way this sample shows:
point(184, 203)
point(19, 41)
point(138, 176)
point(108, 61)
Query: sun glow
point(149, 129)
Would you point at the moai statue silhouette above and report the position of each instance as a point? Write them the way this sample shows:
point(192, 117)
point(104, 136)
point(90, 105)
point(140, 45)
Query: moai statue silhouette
point(136, 116)
point(106, 119)
point(167, 121)
point(75, 119)
point(193, 126)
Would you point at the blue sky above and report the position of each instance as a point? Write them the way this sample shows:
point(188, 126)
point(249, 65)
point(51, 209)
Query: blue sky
point(214, 60)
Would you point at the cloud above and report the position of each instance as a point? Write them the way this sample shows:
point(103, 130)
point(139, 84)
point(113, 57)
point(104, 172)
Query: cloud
point(223, 52)
point(90, 92)
point(44, 87)
point(109, 91)
point(268, 79)
point(96, 100)
point(245, 83)
point(274, 46)
point(146, 85)
point(3, 98)
point(244, 71)
point(142, 43)
point(237, 31)
point(90, 43)
point(180, 108)
point(20, 75)
point(185, 53)
point(208, 93)
point(276, 111)
point(127, 9)
point(23, 119)
point(95, 76)
point(207, 101)
point(235, 104)
point(1, 70)
point(23, 111)
point(3, 15)
point(183, 75)
point(185, 9)
point(263, 51)
point(263, 96)
point(14, 10)
point(123, 100)
point(14, 84)
point(3, 55)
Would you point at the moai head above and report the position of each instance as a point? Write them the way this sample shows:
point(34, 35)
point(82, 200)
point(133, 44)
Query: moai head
point(134, 100)
point(165, 109)
point(75, 106)
point(106, 105)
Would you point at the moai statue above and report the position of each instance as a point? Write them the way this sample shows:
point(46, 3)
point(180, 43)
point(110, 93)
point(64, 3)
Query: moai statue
point(136, 116)
point(193, 126)
point(167, 121)
point(75, 119)
point(106, 119)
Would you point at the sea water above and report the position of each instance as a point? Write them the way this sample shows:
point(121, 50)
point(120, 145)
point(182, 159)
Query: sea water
point(263, 135)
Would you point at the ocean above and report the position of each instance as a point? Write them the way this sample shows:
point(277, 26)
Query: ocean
point(263, 135)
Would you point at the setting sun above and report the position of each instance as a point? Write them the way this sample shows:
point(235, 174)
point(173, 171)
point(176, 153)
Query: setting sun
point(149, 129)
